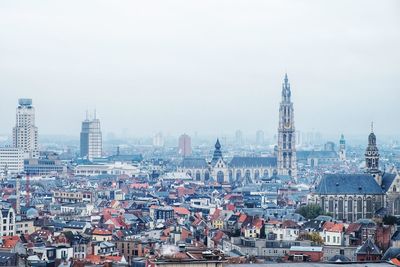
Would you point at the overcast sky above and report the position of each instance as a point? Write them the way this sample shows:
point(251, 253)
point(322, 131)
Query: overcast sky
point(201, 66)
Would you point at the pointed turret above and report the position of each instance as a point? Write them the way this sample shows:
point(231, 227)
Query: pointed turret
point(217, 152)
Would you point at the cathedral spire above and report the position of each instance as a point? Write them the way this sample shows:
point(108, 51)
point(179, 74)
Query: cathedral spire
point(286, 158)
point(286, 89)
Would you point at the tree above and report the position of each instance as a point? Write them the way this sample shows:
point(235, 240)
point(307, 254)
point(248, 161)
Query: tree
point(389, 220)
point(316, 238)
point(310, 211)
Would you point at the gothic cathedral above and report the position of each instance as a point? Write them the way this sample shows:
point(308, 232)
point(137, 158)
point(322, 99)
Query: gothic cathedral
point(287, 164)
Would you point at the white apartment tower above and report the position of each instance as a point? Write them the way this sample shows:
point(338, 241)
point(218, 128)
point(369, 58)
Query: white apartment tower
point(25, 133)
point(91, 139)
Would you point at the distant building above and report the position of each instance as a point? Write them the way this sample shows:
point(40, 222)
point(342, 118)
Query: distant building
point(240, 169)
point(25, 133)
point(287, 163)
point(239, 138)
point(158, 140)
point(91, 139)
point(260, 139)
point(350, 197)
point(11, 160)
point(342, 148)
point(44, 166)
point(185, 145)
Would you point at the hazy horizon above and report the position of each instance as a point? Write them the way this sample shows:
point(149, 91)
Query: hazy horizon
point(207, 67)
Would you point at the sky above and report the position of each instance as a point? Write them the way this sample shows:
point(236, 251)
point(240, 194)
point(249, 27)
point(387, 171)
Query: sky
point(206, 66)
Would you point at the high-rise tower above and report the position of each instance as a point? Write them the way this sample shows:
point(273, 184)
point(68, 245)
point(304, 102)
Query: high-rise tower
point(342, 148)
point(91, 138)
point(185, 145)
point(287, 163)
point(25, 133)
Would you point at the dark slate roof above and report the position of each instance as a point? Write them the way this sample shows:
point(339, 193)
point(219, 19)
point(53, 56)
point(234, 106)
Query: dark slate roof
point(316, 154)
point(369, 247)
point(242, 162)
point(387, 180)
point(195, 163)
point(348, 184)
point(396, 236)
point(391, 253)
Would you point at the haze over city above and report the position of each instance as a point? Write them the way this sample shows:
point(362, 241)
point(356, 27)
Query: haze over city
point(209, 66)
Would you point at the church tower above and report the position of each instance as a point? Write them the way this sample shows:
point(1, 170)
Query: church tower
point(287, 163)
point(372, 154)
point(342, 148)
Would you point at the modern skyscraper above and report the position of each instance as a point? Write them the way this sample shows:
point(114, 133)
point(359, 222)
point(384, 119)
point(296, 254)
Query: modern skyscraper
point(342, 148)
point(91, 138)
point(260, 139)
point(158, 140)
point(185, 145)
point(287, 163)
point(239, 138)
point(25, 133)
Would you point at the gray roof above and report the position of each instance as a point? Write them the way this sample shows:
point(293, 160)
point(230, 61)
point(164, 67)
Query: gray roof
point(195, 163)
point(316, 154)
point(242, 162)
point(387, 180)
point(354, 184)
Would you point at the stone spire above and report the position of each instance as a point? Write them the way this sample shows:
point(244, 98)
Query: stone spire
point(286, 158)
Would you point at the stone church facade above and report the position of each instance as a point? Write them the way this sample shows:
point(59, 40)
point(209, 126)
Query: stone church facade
point(350, 197)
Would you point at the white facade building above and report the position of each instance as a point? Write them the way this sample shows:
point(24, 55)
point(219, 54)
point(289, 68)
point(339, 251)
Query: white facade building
point(7, 222)
point(11, 160)
point(117, 168)
point(91, 139)
point(25, 133)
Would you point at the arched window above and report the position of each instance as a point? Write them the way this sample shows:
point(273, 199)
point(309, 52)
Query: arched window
point(340, 208)
point(394, 188)
point(359, 208)
point(198, 175)
point(238, 174)
point(220, 177)
point(256, 174)
point(396, 206)
point(189, 172)
point(330, 205)
point(247, 174)
point(207, 175)
point(369, 208)
point(323, 203)
point(230, 175)
point(350, 209)
point(266, 173)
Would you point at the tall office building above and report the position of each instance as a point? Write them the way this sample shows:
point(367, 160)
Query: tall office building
point(287, 163)
point(91, 138)
point(239, 138)
point(260, 139)
point(25, 133)
point(185, 145)
point(158, 140)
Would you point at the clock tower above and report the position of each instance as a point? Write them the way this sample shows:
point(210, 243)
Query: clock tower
point(287, 163)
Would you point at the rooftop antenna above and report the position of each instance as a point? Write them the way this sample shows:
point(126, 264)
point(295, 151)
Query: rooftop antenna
point(87, 115)
point(94, 114)
point(372, 126)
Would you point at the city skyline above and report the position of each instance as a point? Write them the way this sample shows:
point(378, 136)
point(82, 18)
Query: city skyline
point(348, 77)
